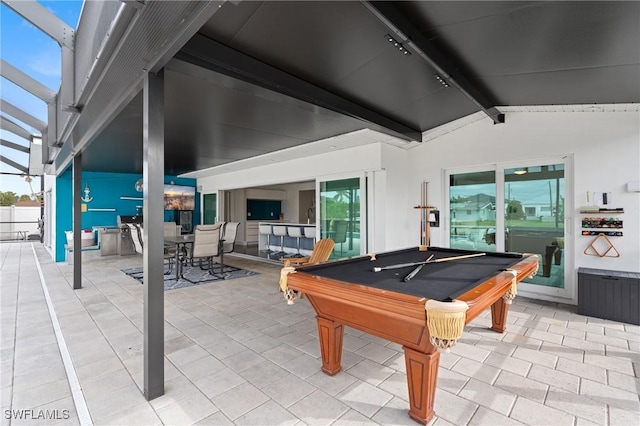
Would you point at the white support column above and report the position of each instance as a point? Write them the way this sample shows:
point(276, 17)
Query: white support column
point(77, 221)
point(52, 126)
point(66, 96)
point(153, 214)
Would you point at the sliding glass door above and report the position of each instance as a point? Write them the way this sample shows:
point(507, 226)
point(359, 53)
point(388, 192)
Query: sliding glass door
point(340, 215)
point(517, 207)
point(472, 210)
point(534, 218)
point(209, 209)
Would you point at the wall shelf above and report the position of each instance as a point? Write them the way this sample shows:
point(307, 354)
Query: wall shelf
point(101, 210)
point(607, 211)
point(599, 232)
point(601, 223)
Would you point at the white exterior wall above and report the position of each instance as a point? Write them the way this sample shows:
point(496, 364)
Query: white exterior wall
point(604, 148)
point(50, 214)
point(337, 164)
point(11, 214)
point(400, 197)
point(291, 207)
point(329, 166)
point(606, 156)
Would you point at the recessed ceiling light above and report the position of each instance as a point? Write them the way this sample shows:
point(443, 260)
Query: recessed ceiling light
point(397, 44)
point(441, 80)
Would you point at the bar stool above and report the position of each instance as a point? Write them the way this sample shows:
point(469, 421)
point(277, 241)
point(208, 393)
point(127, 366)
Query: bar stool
point(295, 232)
point(280, 231)
point(310, 232)
point(264, 229)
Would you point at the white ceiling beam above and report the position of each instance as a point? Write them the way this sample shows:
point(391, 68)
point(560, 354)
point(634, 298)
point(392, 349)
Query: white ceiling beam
point(13, 145)
point(10, 126)
point(19, 114)
point(13, 164)
point(43, 19)
point(28, 83)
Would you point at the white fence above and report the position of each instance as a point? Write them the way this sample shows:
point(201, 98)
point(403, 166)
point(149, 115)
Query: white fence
point(17, 223)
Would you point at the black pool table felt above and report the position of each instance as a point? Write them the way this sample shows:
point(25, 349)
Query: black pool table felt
point(440, 281)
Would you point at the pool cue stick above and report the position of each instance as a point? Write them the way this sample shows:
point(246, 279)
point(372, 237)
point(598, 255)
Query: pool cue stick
point(427, 225)
point(444, 259)
point(415, 271)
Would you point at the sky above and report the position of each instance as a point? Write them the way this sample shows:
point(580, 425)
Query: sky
point(37, 55)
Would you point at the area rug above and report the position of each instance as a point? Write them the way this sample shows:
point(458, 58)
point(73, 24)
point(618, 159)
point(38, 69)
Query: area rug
point(193, 274)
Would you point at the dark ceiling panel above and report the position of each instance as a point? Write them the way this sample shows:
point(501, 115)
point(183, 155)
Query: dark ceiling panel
point(230, 19)
point(212, 55)
point(529, 38)
point(212, 120)
point(337, 45)
point(436, 108)
point(282, 123)
point(587, 86)
point(523, 53)
point(397, 87)
point(317, 41)
point(430, 15)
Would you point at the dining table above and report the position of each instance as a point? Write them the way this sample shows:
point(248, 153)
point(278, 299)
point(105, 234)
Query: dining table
point(180, 242)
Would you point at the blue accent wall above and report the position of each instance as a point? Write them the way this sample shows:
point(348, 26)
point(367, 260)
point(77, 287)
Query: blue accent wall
point(106, 190)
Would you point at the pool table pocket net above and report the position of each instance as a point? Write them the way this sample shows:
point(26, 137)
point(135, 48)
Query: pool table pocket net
point(289, 294)
point(446, 320)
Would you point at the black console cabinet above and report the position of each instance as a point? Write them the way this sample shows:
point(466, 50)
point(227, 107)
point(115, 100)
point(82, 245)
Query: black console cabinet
point(612, 295)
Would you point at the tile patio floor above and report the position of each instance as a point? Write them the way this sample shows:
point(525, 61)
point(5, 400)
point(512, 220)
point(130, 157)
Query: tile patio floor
point(236, 353)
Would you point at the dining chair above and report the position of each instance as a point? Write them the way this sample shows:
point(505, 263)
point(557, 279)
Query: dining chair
point(228, 241)
point(340, 233)
point(136, 236)
point(171, 229)
point(229, 235)
point(206, 246)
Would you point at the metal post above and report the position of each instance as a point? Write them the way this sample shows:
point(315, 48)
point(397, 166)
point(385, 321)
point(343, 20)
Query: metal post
point(153, 214)
point(77, 221)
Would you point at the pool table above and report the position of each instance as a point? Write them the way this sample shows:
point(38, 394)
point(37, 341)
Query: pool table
point(349, 292)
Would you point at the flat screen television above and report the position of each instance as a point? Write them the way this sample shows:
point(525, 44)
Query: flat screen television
point(179, 197)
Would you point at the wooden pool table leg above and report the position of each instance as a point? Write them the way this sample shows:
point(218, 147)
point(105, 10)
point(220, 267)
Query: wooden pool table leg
point(331, 335)
point(499, 312)
point(422, 376)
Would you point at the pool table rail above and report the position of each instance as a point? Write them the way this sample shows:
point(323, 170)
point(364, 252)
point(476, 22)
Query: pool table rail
point(493, 290)
point(394, 316)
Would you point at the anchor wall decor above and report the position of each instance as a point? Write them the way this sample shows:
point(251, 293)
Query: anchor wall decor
point(87, 193)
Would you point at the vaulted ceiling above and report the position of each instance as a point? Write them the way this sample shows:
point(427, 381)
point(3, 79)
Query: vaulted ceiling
point(263, 76)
